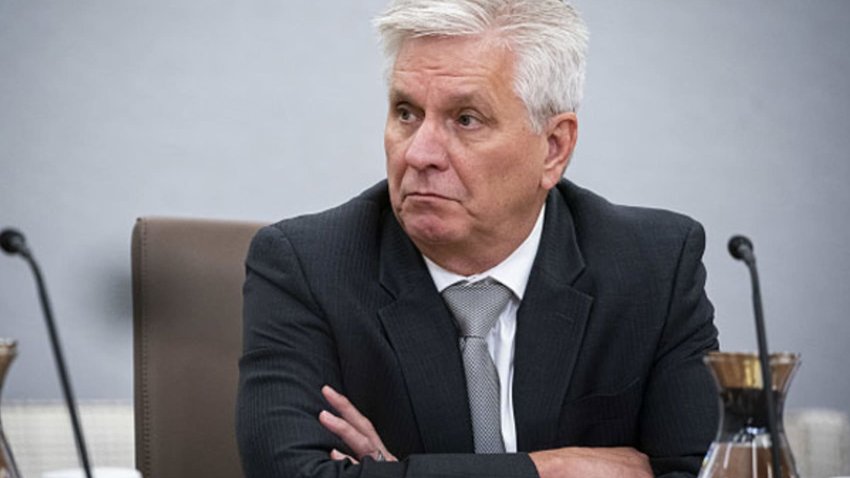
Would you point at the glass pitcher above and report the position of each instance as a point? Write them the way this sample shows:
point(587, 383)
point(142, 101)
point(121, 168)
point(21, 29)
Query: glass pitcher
point(8, 469)
point(742, 446)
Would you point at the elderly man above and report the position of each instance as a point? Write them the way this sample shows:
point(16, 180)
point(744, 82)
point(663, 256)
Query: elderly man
point(475, 314)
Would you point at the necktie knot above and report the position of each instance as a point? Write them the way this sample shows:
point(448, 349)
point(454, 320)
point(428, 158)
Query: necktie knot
point(476, 305)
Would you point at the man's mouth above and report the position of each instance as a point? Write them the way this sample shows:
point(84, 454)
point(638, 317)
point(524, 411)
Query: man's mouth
point(427, 195)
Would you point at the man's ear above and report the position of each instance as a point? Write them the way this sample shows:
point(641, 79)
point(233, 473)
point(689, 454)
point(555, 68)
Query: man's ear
point(561, 136)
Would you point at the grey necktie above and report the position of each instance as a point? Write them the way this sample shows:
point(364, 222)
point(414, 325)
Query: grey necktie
point(476, 307)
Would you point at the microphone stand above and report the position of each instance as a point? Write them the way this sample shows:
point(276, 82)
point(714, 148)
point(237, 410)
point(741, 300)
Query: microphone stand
point(741, 248)
point(57, 354)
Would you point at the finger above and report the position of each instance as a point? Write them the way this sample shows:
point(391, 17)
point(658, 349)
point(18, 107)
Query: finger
point(630, 455)
point(356, 441)
point(387, 455)
point(337, 455)
point(349, 412)
point(619, 455)
point(362, 425)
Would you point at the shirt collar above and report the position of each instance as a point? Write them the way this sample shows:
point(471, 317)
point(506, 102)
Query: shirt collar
point(513, 272)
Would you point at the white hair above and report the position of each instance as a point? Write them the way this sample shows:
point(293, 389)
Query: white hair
point(548, 37)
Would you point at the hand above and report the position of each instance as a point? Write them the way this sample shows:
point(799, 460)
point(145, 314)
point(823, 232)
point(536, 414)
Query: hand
point(574, 462)
point(355, 430)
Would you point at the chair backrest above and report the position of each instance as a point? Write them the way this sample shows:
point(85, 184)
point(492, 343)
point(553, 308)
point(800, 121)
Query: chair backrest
point(187, 339)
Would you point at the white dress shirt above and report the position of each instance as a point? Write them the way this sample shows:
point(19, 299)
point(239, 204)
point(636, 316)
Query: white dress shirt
point(513, 273)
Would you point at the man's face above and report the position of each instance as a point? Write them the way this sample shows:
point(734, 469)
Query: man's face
point(464, 167)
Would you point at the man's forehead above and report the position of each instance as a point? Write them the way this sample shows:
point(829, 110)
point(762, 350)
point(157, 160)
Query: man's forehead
point(417, 87)
point(454, 73)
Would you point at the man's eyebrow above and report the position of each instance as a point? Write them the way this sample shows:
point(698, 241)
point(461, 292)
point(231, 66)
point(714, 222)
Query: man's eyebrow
point(398, 96)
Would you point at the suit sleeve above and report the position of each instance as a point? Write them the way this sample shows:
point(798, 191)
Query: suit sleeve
point(289, 354)
point(680, 410)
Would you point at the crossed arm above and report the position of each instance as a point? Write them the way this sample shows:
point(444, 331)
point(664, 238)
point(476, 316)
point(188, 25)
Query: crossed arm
point(358, 433)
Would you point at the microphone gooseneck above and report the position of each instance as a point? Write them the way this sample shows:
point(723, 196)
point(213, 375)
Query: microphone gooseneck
point(13, 242)
point(741, 248)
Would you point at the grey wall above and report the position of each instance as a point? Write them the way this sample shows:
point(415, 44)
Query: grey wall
point(735, 112)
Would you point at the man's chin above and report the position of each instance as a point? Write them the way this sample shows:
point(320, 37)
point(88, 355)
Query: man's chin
point(429, 229)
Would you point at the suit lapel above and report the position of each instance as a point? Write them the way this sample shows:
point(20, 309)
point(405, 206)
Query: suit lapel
point(550, 326)
point(424, 338)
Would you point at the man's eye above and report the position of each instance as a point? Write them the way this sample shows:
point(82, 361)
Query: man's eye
point(467, 120)
point(405, 115)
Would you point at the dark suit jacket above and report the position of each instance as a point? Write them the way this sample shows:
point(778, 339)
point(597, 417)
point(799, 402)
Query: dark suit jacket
point(609, 343)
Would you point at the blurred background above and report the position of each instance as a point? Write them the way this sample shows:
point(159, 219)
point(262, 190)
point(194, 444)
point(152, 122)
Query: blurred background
point(734, 112)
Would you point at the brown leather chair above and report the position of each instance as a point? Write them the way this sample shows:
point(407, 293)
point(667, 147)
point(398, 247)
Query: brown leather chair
point(187, 336)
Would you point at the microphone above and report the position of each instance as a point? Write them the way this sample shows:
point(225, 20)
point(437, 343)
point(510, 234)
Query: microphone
point(741, 248)
point(13, 242)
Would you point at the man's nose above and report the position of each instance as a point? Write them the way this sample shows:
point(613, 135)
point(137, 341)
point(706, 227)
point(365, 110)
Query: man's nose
point(427, 148)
